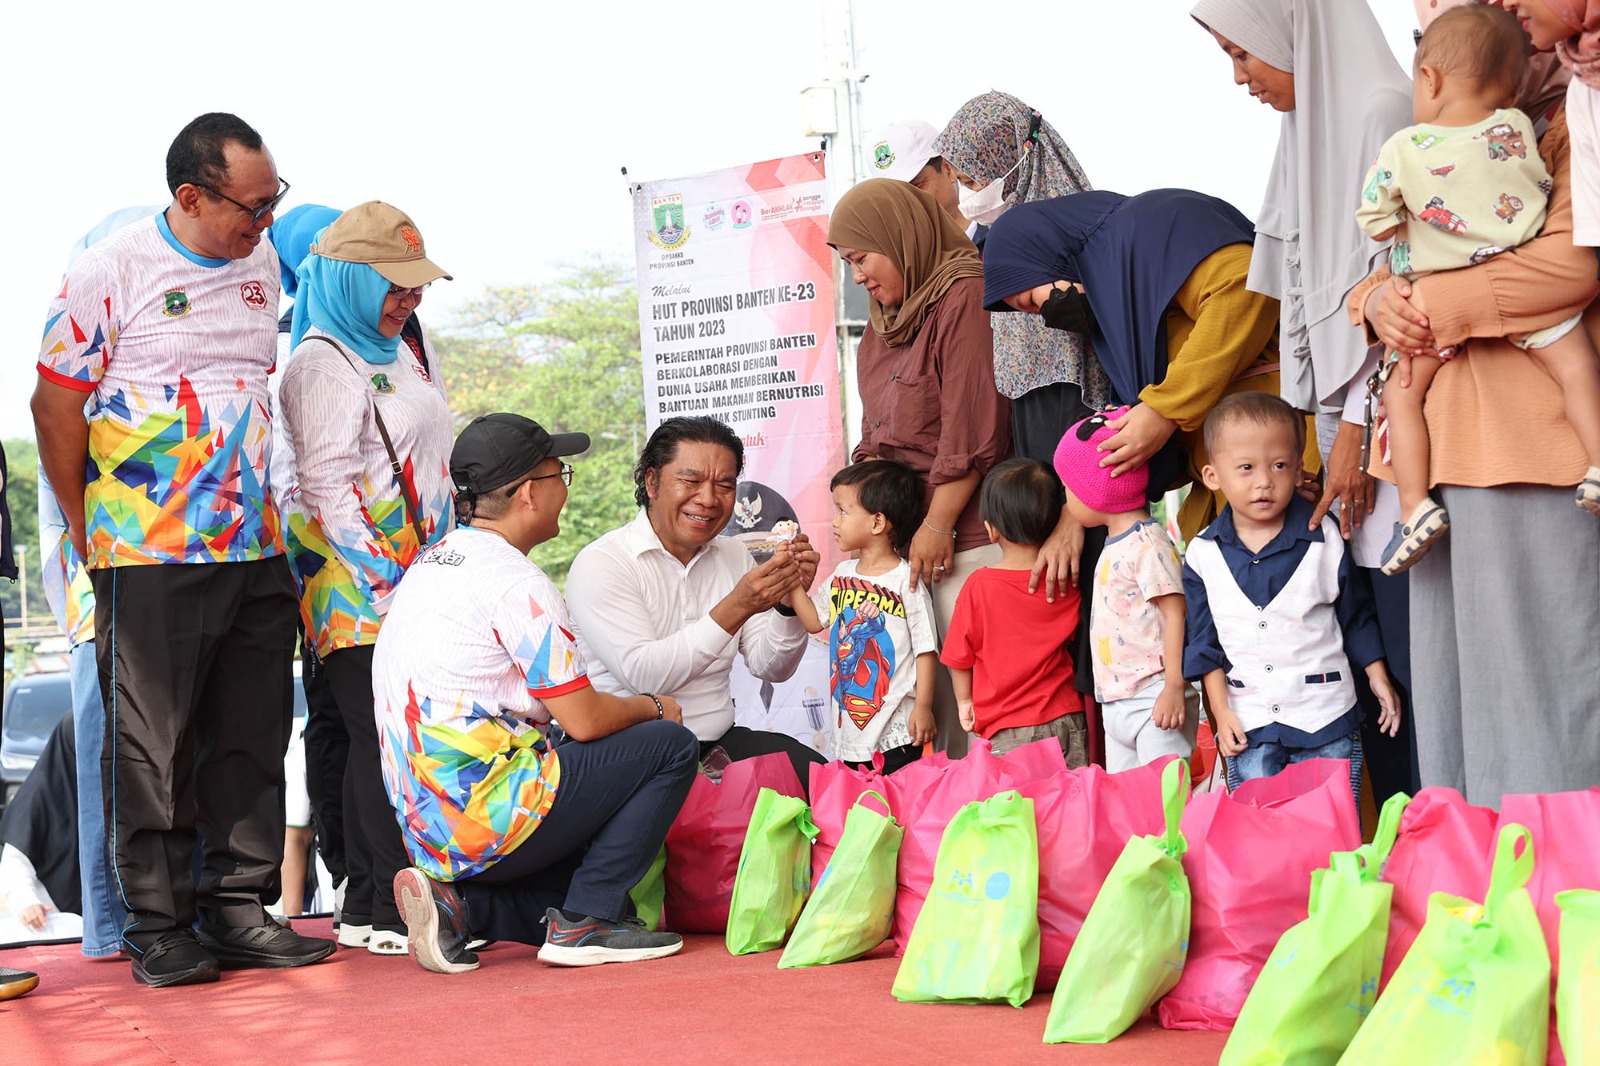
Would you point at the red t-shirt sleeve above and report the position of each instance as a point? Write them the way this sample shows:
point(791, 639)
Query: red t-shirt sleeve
point(961, 644)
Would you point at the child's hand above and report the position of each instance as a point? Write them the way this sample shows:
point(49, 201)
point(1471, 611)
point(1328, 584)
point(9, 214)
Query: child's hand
point(1168, 711)
point(1388, 698)
point(920, 725)
point(965, 716)
point(1230, 734)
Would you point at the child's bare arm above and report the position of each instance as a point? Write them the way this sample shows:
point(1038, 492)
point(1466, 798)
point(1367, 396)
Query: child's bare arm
point(1224, 723)
point(961, 682)
point(921, 725)
point(805, 610)
point(1168, 711)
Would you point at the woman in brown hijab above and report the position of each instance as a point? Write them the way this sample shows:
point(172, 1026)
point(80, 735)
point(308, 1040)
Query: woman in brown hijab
point(925, 371)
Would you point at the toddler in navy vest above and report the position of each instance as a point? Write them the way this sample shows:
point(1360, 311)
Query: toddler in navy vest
point(1274, 624)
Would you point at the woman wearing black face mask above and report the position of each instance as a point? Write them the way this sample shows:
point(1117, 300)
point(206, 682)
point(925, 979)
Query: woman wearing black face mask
point(1157, 281)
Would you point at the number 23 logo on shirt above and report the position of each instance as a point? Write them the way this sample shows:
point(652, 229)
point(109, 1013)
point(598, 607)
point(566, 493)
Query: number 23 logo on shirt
point(254, 296)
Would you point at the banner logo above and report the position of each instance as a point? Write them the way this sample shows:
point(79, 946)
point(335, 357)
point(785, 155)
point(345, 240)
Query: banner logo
point(669, 232)
point(740, 213)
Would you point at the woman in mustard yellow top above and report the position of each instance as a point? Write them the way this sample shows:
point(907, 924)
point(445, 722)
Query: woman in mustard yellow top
point(1157, 281)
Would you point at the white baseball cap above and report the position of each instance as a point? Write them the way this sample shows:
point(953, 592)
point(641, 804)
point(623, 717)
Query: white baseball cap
point(900, 150)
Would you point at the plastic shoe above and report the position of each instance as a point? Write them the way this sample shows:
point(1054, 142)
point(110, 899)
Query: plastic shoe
point(1589, 491)
point(266, 946)
point(436, 922)
point(1415, 536)
point(176, 958)
point(387, 942)
point(587, 941)
point(14, 983)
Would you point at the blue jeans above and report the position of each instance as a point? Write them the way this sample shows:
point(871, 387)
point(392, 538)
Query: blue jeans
point(1264, 758)
point(618, 796)
point(102, 910)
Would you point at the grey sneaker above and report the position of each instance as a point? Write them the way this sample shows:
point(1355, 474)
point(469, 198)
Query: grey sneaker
point(436, 922)
point(1412, 540)
point(588, 941)
point(1589, 491)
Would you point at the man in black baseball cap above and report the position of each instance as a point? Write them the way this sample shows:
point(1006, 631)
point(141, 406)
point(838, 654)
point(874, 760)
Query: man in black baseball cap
point(513, 839)
point(495, 450)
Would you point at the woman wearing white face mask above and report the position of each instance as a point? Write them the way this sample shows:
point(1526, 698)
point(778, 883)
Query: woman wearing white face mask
point(1004, 153)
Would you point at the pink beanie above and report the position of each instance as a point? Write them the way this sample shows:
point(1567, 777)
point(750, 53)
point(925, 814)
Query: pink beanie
point(1078, 464)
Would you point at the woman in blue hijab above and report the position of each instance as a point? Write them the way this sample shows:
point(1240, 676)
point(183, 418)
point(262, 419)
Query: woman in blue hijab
point(370, 490)
point(1157, 281)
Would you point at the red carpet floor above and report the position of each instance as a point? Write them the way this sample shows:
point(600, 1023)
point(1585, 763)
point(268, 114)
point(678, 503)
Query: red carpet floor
point(701, 1006)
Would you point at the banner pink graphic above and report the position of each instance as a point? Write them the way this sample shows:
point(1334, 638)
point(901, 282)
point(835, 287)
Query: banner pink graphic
point(736, 321)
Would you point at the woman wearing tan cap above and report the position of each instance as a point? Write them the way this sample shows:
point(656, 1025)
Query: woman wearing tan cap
point(371, 431)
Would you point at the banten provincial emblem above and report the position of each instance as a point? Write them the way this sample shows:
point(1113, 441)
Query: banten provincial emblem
point(176, 303)
point(668, 231)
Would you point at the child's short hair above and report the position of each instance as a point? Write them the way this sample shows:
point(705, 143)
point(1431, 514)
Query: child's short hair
point(891, 489)
point(1022, 500)
point(1262, 408)
point(1477, 41)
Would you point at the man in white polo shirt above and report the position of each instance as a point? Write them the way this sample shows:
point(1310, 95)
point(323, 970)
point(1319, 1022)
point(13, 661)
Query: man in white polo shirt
point(169, 329)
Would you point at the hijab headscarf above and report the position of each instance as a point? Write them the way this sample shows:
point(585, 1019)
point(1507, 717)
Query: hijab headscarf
point(41, 821)
point(984, 140)
point(1544, 79)
point(1350, 96)
point(292, 235)
point(1131, 254)
point(906, 225)
point(1581, 52)
point(345, 301)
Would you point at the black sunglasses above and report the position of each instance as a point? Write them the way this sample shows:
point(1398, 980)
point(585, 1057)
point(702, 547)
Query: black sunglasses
point(256, 213)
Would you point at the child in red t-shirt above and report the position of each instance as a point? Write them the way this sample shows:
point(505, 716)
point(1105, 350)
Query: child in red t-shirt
point(1007, 648)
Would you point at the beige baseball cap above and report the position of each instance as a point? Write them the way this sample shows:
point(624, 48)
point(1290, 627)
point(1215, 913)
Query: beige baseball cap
point(383, 237)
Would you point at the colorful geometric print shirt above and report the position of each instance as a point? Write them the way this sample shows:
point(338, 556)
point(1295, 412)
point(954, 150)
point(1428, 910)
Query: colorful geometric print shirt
point(175, 348)
point(348, 520)
point(475, 639)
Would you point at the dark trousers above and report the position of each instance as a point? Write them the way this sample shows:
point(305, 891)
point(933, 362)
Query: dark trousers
point(327, 748)
point(741, 743)
point(196, 668)
point(374, 850)
point(617, 797)
point(893, 759)
point(1391, 761)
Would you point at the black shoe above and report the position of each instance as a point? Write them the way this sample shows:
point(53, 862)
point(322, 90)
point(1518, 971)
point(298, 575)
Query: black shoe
point(267, 945)
point(176, 958)
point(436, 922)
point(586, 941)
point(14, 983)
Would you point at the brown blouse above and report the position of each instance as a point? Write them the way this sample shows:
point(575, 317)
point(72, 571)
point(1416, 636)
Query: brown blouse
point(932, 403)
point(1495, 418)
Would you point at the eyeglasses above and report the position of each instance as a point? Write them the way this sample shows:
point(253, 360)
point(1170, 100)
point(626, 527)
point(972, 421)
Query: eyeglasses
point(565, 474)
point(400, 292)
point(256, 213)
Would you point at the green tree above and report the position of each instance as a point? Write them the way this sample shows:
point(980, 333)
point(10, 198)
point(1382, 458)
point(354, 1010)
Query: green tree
point(565, 354)
point(22, 498)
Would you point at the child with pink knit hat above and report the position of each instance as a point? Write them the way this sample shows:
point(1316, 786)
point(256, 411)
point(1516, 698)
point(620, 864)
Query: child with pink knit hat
point(1136, 620)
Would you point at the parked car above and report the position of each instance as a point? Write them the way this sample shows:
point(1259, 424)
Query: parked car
point(34, 703)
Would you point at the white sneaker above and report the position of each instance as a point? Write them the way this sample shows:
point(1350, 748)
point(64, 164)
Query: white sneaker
point(355, 936)
point(384, 942)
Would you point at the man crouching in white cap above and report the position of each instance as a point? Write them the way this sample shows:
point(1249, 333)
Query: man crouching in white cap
point(475, 657)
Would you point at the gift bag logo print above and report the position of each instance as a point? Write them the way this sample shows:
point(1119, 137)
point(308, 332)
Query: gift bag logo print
point(1452, 997)
point(964, 887)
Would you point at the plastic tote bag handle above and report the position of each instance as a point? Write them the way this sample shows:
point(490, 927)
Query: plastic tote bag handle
point(774, 876)
point(1131, 949)
point(1477, 978)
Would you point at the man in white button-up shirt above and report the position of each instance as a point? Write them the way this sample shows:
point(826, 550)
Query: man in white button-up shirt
point(663, 603)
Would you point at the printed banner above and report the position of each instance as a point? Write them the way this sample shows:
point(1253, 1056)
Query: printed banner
point(736, 321)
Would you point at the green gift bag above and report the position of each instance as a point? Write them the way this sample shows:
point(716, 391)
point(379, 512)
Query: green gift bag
point(1130, 950)
point(651, 891)
point(977, 936)
point(1321, 979)
point(852, 903)
point(1578, 986)
point(1475, 986)
point(774, 875)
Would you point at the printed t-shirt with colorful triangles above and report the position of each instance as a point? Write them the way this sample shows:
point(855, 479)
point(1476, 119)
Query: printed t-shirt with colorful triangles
point(175, 348)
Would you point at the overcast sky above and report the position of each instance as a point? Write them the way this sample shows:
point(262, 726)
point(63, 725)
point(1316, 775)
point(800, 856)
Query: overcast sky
point(502, 128)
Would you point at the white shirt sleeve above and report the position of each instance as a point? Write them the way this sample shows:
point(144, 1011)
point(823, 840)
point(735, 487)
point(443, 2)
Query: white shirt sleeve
point(19, 883)
point(607, 604)
point(772, 645)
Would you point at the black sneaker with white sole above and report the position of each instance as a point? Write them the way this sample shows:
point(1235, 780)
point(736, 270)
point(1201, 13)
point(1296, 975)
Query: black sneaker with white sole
point(581, 940)
point(176, 958)
point(436, 922)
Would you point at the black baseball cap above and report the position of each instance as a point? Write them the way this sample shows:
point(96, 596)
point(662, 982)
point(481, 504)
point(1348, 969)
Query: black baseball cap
point(494, 450)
